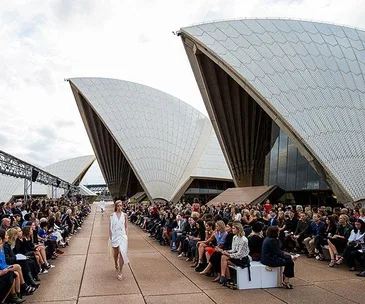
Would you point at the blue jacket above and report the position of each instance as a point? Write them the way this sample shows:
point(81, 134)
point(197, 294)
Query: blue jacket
point(3, 264)
point(316, 229)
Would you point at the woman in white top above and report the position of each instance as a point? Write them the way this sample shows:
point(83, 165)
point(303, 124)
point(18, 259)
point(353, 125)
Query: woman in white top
point(236, 215)
point(238, 255)
point(118, 235)
point(356, 239)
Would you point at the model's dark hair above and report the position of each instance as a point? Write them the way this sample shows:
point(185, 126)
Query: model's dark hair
point(362, 228)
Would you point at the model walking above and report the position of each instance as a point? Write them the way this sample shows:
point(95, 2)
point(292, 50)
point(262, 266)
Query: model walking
point(102, 204)
point(118, 234)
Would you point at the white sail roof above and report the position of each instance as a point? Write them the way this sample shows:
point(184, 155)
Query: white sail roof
point(164, 139)
point(310, 75)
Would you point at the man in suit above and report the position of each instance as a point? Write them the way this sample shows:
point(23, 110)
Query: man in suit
point(273, 218)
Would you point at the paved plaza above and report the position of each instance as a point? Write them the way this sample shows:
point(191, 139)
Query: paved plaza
point(85, 275)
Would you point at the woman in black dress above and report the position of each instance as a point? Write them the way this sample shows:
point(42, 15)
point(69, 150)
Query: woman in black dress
point(338, 242)
point(255, 240)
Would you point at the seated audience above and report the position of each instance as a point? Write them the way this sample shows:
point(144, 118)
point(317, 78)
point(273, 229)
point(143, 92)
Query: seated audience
point(214, 262)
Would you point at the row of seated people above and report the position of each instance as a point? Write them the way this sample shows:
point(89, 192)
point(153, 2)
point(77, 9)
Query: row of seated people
point(341, 238)
point(213, 244)
point(28, 244)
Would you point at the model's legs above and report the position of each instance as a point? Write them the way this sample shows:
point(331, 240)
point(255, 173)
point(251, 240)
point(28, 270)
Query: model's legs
point(115, 256)
point(121, 263)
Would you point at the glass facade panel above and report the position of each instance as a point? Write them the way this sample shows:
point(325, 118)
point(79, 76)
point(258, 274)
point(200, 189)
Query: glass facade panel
point(273, 178)
point(283, 149)
point(313, 178)
point(323, 184)
point(291, 177)
point(302, 170)
point(292, 154)
point(282, 177)
point(274, 154)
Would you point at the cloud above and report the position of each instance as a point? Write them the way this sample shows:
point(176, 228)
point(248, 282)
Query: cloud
point(48, 133)
point(3, 140)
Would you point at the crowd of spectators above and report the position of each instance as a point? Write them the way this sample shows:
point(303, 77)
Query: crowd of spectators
point(214, 237)
point(32, 234)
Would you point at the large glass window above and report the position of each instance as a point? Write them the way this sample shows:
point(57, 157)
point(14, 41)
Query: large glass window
point(288, 168)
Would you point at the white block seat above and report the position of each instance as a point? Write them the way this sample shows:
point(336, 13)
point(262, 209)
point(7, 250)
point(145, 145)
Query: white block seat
point(261, 276)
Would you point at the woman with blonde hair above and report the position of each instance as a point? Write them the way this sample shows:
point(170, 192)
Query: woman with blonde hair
point(218, 237)
point(238, 255)
point(118, 235)
point(337, 243)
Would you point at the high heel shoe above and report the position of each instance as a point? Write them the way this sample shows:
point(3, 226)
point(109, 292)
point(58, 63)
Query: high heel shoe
point(339, 261)
point(332, 263)
point(223, 281)
point(205, 271)
point(287, 285)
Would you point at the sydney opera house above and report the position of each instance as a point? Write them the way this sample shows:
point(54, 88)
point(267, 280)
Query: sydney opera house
point(147, 141)
point(287, 101)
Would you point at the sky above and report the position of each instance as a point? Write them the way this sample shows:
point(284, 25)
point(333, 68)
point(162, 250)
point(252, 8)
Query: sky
point(44, 42)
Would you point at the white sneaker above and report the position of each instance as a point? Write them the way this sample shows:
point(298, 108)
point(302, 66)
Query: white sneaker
point(45, 271)
point(51, 266)
point(78, 228)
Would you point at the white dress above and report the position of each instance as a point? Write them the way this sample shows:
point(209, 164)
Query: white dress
point(102, 205)
point(119, 236)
